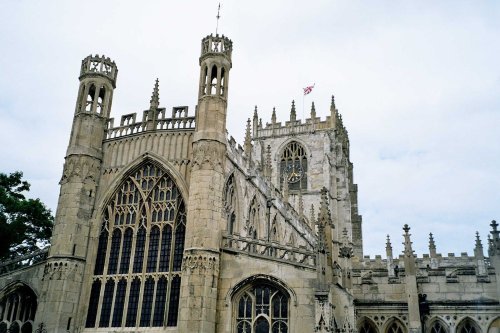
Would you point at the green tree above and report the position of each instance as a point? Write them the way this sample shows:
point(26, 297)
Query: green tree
point(25, 224)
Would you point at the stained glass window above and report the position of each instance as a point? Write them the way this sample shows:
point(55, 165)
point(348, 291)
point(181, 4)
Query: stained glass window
point(262, 308)
point(140, 246)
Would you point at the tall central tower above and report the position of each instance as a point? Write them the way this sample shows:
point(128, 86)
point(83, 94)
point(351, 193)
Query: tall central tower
point(205, 220)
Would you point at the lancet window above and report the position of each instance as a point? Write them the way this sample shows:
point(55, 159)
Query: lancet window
point(438, 327)
point(468, 326)
point(293, 166)
point(137, 271)
point(18, 308)
point(396, 327)
point(230, 205)
point(367, 327)
point(261, 308)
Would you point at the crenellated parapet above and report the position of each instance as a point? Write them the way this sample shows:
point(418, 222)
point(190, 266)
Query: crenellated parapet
point(216, 45)
point(179, 120)
point(99, 66)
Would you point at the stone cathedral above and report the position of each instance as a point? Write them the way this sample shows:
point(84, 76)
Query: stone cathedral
point(165, 224)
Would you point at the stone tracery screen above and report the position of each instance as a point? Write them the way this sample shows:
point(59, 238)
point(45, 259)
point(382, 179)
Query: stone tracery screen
point(137, 273)
point(261, 308)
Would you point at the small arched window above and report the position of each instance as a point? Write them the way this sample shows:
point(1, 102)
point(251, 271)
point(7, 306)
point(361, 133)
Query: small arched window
point(261, 308)
point(230, 204)
point(139, 254)
point(437, 326)
point(293, 166)
point(367, 326)
point(396, 327)
point(468, 326)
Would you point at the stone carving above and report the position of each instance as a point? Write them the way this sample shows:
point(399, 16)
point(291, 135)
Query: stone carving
point(83, 169)
point(325, 319)
point(201, 263)
point(60, 270)
point(208, 155)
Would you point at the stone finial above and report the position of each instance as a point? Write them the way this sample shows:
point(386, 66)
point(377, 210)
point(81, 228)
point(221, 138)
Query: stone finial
point(293, 114)
point(260, 123)
point(268, 165)
point(408, 251)
point(313, 111)
point(332, 104)
point(324, 216)
point(388, 247)
point(285, 188)
point(273, 116)
point(301, 205)
point(313, 217)
point(154, 103)
point(478, 249)
point(494, 248)
point(248, 140)
point(432, 246)
point(255, 114)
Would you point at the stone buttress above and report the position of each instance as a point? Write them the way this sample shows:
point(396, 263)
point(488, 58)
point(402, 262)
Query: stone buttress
point(205, 220)
point(63, 276)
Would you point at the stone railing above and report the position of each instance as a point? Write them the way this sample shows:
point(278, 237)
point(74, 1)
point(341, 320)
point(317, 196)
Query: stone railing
point(24, 261)
point(129, 124)
point(269, 250)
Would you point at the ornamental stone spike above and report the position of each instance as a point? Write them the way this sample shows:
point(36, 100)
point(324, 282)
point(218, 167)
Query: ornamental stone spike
point(154, 103)
point(324, 217)
point(313, 217)
point(273, 116)
point(293, 114)
point(255, 122)
point(432, 246)
point(478, 249)
point(408, 251)
point(313, 111)
point(388, 247)
point(248, 141)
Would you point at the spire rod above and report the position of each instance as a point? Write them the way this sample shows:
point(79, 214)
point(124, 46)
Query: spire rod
point(218, 17)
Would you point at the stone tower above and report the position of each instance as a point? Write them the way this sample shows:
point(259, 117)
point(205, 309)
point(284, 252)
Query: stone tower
point(62, 283)
point(205, 220)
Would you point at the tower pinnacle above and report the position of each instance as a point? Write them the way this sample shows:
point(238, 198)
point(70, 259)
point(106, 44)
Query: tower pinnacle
point(155, 97)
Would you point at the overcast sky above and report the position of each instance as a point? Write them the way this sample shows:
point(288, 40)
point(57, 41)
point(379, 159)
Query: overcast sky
point(417, 83)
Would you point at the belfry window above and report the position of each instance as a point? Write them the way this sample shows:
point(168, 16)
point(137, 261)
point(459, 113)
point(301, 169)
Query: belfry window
point(293, 166)
point(137, 272)
point(261, 308)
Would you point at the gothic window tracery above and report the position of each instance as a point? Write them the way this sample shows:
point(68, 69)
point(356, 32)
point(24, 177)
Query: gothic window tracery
point(18, 307)
point(468, 326)
point(230, 205)
point(139, 255)
point(293, 166)
point(367, 327)
point(261, 308)
point(438, 327)
point(396, 327)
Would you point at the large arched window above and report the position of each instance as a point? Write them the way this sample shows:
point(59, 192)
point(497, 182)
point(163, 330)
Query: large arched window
point(293, 166)
point(137, 272)
point(261, 308)
point(468, 326)
point(18, 307)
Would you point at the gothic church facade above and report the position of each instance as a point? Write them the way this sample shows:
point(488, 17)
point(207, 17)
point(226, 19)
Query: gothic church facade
point(164, 224)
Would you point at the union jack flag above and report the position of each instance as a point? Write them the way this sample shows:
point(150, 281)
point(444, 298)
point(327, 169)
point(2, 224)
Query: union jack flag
point(308, 89)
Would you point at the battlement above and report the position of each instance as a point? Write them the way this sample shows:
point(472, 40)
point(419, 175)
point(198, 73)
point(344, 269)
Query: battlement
point(179, 121)
point(214, 45)
point(293, 127)
point(99, 65)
